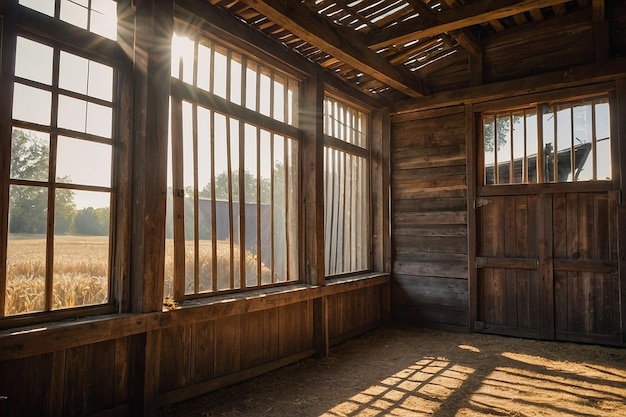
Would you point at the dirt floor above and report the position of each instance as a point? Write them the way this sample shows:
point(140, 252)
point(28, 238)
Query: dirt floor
point(414, 372)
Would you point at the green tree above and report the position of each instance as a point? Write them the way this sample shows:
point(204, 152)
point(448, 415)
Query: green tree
point(30, 156)
point(92, 222)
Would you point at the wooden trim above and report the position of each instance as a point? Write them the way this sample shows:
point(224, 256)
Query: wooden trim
point(546, 285)
point(546, 188)
point(552, 81)
point(618, 131)
point(344, 146)
point(233, 378)
point(507, 263)
point(472, 136)
point(585, 265)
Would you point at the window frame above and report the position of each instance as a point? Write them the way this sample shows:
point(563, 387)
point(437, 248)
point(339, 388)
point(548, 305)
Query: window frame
point(238, 110)
point(62, 37)
point(333, 143)
point(537, 103)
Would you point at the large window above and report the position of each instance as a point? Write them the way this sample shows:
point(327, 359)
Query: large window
point(568, 142)
point(60, 183)
point(346, 188)
point(233, 183)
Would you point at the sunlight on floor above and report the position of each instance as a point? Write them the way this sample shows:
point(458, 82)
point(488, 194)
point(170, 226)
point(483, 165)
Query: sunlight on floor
point(419, 390)
point(518, 384)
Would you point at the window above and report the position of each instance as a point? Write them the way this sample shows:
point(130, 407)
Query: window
point(60, 183)
point(346, 188)
point(573, 137)
point(233, 200)
point(96, 16)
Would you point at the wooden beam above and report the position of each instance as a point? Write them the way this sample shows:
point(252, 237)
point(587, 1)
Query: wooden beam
point(598, 10)
point(345, 45)
point(457, 18)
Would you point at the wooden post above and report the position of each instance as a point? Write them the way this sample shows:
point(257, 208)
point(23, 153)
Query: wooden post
point(311, 122)
point(151, 74)
point(381, 247)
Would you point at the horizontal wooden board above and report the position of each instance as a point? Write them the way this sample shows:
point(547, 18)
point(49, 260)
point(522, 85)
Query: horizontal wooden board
point(449, 293)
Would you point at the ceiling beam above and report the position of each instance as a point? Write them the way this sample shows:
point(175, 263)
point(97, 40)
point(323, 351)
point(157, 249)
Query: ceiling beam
point(345, 45)
point(598, 10)
point(463, 36)
point(461, 17)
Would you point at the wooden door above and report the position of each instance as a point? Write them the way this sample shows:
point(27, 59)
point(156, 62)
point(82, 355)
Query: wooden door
point(547, 265)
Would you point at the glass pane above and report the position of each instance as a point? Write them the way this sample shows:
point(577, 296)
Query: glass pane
point(81, 254)
point(564, 144)
point(278, 201)
point(85, 77)
point(265, 147)
point(83, 162)
point(251, 87)
point(265, 87)
point(104, 18)
point(490, 155)
point(252, 206)
point(75, 12)
point(23, 108)
point(279, 99)
point(603, 142)
point(33, 61)
point(219, 72)
point(519, 148)
point(235, 78)
point(99, 120)
point(583, 138)
point(182, 56)
point(531, 145)
point(548, 145)
point(42, 6)
point(26, 250)
point(72, 114)
point(204, 67)
point(30, 151)
point(205, 247)
point(503, 149)
point(188, 184)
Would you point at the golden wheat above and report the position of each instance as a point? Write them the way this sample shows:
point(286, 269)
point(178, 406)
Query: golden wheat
point(80, 274)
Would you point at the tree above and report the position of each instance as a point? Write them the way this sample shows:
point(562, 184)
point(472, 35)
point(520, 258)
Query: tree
point(92, 222)
point(29, 204)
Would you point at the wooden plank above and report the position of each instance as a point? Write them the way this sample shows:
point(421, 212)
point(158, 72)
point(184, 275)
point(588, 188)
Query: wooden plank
point(618, 130)
point(204, 364)
point(228, 345)
point(546, 289)
point(121, 383)
point(457, 18)
point(22, 386)
point(506, 263)
point(54, 383)
point(175, 358)
point(89, 379)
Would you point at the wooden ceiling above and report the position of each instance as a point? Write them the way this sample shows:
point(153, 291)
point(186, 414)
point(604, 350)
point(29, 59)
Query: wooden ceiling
point(383, 47)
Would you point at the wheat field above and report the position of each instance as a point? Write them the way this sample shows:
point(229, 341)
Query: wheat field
point(81, 268)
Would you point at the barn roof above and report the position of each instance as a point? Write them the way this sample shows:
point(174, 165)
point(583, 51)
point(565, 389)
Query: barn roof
point(389, 48)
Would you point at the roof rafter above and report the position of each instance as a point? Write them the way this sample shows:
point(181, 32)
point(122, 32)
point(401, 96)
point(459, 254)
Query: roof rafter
point(345, 45)
point(457, 18)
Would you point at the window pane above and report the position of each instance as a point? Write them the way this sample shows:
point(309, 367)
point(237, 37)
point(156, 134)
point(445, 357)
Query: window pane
point(24, 107)
point(75, 12)
point(42, 6)
point(33, 61)
point(603, 142)
point(548, 145)
point(219, 72)
point(489, 131)
point(26, 250)
point(81, 259)
point(30, 151)
point(104, 18)
point(72, 114)
point(99, 120)
point(85, 77)
point(204, 67)
point(93, 167)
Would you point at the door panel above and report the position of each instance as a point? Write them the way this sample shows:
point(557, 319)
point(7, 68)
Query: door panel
point(582, 281)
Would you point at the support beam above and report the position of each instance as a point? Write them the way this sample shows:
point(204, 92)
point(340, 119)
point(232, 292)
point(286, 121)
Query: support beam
point(345, 45)
point(598, 11)
point(471, 14)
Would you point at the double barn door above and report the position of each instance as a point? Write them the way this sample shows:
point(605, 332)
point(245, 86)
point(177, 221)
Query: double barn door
point(547, 265)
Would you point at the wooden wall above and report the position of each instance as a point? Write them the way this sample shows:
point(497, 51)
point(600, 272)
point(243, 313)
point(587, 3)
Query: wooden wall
point(433, 146)
point(121, 365)
point(429, 218)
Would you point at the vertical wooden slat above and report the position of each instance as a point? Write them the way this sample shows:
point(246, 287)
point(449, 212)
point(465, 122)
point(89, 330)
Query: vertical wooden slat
point(272, 205)
point(178, 188)
point(546, 267)
point(214, 283)
point(471, 150)
point(54, 383)
point(259, 247)
point(618, 131)
point(7, 64)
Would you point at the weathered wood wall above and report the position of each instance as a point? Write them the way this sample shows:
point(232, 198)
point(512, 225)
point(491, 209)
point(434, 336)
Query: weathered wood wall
point(104, 367)
point(433, 179)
